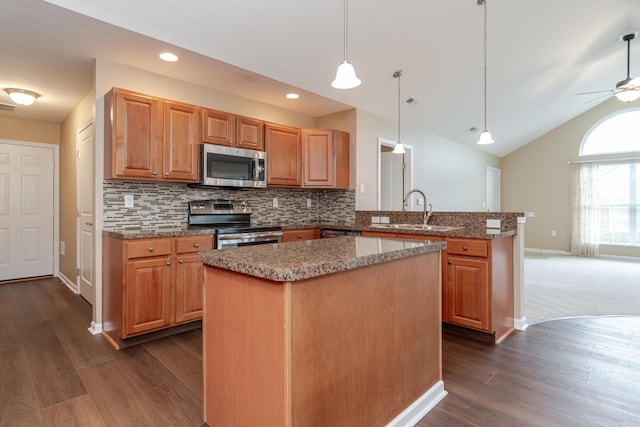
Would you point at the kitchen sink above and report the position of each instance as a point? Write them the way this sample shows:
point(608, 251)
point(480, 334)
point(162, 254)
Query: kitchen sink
point(418, 227)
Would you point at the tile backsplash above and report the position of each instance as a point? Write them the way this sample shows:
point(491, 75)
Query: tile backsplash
point(162, 205)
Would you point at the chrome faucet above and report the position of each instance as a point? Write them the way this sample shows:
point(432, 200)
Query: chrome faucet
point(427, 212)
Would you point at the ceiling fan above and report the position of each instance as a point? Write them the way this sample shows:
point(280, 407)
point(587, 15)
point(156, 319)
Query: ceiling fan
point(627, 90)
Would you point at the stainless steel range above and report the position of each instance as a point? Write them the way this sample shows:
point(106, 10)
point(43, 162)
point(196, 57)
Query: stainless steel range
point(232, 223)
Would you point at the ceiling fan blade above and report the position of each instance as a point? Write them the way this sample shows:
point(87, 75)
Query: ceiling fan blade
point(599, 98)
point(596, 91)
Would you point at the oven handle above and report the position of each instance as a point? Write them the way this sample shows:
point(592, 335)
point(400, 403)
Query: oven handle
point(247, 236)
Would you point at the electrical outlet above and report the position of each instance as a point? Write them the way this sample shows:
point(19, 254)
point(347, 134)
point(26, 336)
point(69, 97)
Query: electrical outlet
point(275, 202)
point(308, 203)
point(384, 220)
point(128, 200)
point(554, 233)
point(493, 223)
point(362, 188)
point(375, 220)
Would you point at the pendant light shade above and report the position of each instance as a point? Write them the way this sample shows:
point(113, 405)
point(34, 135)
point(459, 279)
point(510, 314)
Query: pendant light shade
point(485, 136)
point(346, 75)
point(628, 90)
point(399, 147)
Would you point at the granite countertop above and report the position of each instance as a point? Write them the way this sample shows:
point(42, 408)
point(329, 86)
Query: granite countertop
point(283, 262)
point(151, 233)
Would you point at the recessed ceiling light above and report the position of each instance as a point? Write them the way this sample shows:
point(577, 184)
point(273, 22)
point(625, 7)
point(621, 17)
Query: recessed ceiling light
point(169, 57)
point(292, 96)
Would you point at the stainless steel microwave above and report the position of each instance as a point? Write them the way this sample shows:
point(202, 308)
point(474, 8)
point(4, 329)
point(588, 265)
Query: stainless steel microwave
point(232, 167)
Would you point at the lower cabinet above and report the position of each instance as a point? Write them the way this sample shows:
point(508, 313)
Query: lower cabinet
point(300, 234)
point(151, 284)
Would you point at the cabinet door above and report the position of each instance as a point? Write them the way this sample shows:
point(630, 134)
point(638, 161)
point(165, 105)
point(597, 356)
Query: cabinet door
point(146, 297)
point(283, 148)
point(189, 273)
point(466, 296)
point(181, 139)
point(249, 133)
point(218, 127)
point(318, 156)
point(137, 134)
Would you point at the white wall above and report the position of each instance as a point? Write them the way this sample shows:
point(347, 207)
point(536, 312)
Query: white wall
point(452, 175)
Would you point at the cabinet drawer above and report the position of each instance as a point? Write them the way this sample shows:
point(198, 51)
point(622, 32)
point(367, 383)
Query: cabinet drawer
point(148, 247)
point(468, 247)
point(193, 244)
point(301, 234)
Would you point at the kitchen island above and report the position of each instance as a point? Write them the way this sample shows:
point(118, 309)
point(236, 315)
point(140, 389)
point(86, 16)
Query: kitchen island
point(340, 332)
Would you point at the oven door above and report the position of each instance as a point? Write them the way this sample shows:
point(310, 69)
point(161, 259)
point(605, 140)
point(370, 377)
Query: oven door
point(234, 240)
point(232, 167)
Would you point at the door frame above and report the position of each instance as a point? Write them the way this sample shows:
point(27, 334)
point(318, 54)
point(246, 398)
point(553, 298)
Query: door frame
point(489, 189)
point(408, 163)
point(56, 198)
point(79, 130)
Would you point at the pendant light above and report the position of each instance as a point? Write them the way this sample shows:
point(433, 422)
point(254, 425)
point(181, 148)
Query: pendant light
point(346, 75)
point(399, 147)
point(485, 136)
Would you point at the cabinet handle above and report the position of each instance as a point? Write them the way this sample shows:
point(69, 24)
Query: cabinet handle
point(151, 249)
point(464, 248)
point(168, 263)
point(180, 261)
point(155, 173)
point(239, 142)
point(230, 142)
point(167, 174)
point(299, 236)
point(449, 262)
point(196, 245)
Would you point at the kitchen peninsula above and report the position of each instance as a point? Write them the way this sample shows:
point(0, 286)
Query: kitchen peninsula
point(343, 331)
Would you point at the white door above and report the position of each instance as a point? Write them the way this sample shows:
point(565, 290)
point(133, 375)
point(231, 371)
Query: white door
point(493, 189)
point(390, 181)
point(26, 211)
point(85, 214)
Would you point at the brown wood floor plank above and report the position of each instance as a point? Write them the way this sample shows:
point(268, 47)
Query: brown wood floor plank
point(180, 361)
point(55, 379)
point(18, 401)
point(168, 395)
point(119, 401)
point(192, 341)
point(79, 412)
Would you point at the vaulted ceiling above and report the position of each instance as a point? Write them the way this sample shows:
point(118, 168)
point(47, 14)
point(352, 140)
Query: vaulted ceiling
point(540, 54)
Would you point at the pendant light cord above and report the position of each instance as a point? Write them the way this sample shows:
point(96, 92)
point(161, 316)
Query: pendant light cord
point(484, 2)
point(346, 27)
point(398, 74)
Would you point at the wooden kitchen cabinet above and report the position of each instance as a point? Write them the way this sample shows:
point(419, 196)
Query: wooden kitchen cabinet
point(300, 234)
point(149, 138)
point(284, 155)
point(151, 284)
point(478, 285)
point(222, 128)
point(325, 154)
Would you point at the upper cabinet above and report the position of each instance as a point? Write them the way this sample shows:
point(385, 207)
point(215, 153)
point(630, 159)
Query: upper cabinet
point(283, 146)
point(150, 139)
point(325, 156)
point(222, 128)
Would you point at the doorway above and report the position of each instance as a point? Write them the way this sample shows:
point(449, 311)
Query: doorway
point(395, 175)
point(493, 189)
point(28, 231)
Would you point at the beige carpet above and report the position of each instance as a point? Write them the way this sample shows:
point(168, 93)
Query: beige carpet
point(557, 286)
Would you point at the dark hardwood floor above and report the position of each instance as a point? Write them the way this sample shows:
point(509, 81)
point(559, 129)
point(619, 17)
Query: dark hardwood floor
point(53, 372)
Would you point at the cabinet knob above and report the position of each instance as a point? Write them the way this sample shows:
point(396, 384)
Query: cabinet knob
point(167, 174)
point(299, 236)
point(230, 142)
point(448, 261)
point(239, 142)
point(196, 245)
point(155, 173)
point(151, 249)
point(181, 261)
point(464, 248)
point(168, 263)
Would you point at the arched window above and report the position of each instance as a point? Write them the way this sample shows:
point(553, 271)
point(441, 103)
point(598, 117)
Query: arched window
point(612, 188)
point(618, 133)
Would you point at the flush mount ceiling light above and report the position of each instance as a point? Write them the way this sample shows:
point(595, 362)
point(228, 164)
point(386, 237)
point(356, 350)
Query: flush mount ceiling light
point(399, 147)
point(22, 96)
point(292, 96)
point(168, 56)
point(346, 75)
point(485, 136)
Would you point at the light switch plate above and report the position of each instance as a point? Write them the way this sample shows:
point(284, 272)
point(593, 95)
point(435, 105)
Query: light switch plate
point(275, 202)
point(308, 203)
point(384, 220)
point(493, 223)
point(375, 220)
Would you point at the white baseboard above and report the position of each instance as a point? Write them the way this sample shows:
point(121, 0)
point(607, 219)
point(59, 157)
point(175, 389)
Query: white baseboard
point(418, 409)
point(546, 251)
point(95, 328)
point(520, 324)
point(68, 283)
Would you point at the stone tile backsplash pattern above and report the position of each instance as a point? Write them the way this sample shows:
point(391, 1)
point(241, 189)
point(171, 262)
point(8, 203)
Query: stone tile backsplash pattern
point(162, 205)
